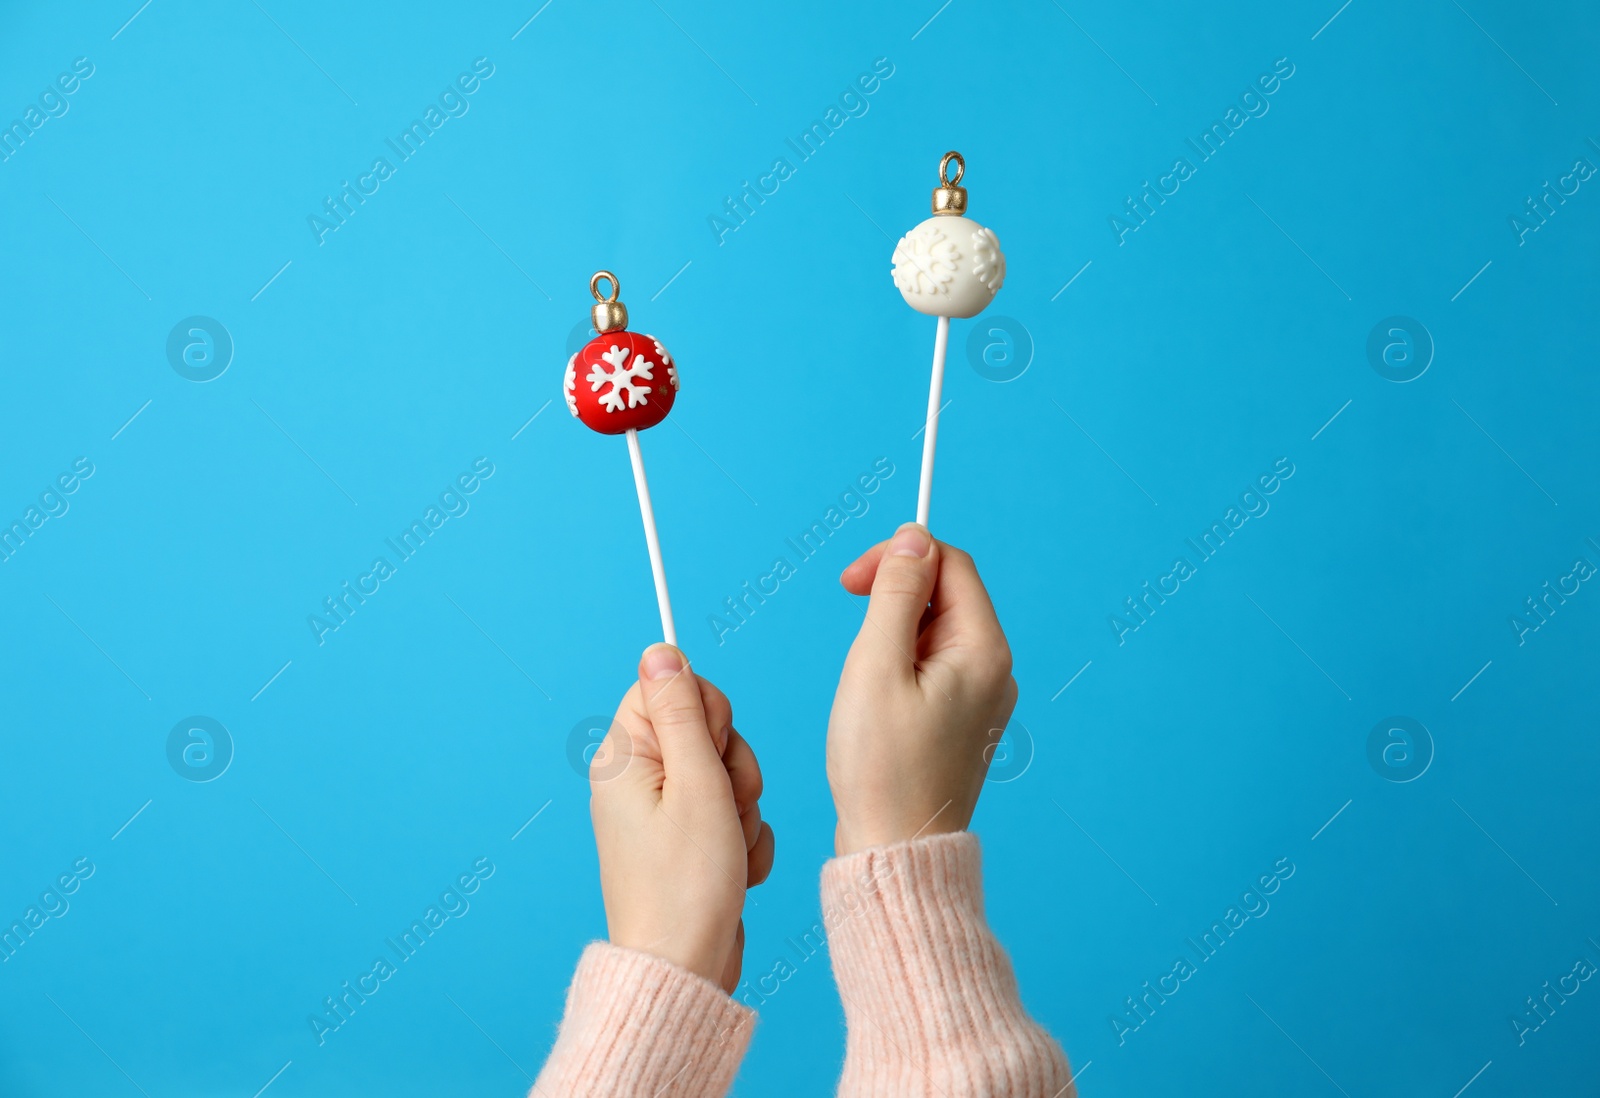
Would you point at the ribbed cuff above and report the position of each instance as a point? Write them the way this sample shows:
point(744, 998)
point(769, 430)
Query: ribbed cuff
point(930, 999)
point(637, 1025)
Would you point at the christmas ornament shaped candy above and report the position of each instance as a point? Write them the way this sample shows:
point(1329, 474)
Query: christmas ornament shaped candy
point(620, 383)
point(948, 266)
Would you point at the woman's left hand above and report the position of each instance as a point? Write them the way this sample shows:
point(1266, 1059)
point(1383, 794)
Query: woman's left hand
point(674, 798)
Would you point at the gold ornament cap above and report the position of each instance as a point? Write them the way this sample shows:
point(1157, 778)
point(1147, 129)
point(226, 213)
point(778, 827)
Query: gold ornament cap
point(608, 313)
point(950, 200)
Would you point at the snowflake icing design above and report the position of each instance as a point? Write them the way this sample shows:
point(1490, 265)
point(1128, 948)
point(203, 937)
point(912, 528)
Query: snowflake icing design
point(988, 261)
point(621, 378)
point(661, 353)
point(570, 384)
point(925, 261)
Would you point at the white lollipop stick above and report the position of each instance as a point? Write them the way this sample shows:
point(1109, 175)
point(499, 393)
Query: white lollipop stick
point(651, 540)
point(930, 436)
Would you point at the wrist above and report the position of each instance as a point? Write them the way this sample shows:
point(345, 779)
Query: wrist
point(853, 838)
point(699, 959)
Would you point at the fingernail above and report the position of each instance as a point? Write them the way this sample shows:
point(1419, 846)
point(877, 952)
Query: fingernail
point(662, 661)
point(910, 540)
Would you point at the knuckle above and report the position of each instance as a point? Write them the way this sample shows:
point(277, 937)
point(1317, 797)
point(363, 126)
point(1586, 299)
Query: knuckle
point(993, 664)
point(719, 714)
point(753, 784)
point(899, 578)
point(676, 713)
point(611, 758)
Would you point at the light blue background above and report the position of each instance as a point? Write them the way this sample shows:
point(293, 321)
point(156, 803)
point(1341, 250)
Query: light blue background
point(1222, 335)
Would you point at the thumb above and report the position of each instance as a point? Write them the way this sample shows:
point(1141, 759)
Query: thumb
point(900, 593)
point(672, 704)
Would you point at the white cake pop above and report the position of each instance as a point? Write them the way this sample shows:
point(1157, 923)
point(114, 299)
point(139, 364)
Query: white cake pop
point(949, 265)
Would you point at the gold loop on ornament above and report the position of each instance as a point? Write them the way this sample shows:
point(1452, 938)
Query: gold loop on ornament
point(616, 287)
point(944, 167)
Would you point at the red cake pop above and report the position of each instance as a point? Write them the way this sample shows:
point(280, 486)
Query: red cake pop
point(620, 380)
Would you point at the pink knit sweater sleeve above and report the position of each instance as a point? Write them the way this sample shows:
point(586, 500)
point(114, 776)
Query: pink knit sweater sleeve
point(931, 1004)
point(637, 1026)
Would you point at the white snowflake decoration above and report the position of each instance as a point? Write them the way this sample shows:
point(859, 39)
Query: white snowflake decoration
point(988, 261)
point(621, 378)
point(925, 261)
point(570, 384)
point(661, 353)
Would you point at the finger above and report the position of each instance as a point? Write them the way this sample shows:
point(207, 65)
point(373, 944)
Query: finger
point(719, 713)
point(758, 865)
point(962, 605)
point(627, 741)
point(743, 771)
point(735, 963)
point(750, 821)
point(900, 592)
point(612, 756)
point(960, 592)
point(857, 576)
point(671, 694)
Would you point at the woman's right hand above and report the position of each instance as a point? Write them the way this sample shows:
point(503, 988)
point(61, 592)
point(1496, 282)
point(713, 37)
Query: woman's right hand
point(926, 693)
